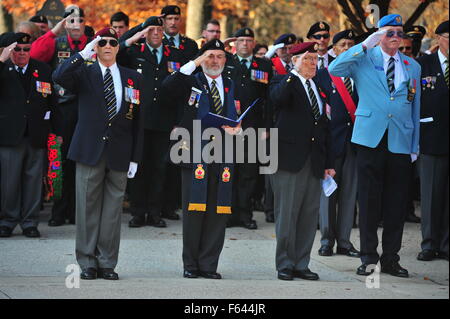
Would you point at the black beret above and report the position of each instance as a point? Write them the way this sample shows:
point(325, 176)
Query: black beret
point(346, 34)
point(317, 27)
point(7, 38)
point(415, 31)
point(287, 38)
point(244, 32)
point(71, 10)
point(156, 21)
point(442, 28)
point(39, 19)
point(212, 45)
point(360, 38)
point(171, 10)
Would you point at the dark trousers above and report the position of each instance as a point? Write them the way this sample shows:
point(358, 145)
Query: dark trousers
point(146, 189)
point(203, 232)
point(172, 189)
point(244, 185)
point(382, 191)
point(268, 196)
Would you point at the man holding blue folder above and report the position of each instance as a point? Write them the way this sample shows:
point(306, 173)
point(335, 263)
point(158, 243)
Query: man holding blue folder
point(206, 187)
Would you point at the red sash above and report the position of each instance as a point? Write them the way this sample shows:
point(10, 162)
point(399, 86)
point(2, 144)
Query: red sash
point(345, 95)
point(279, 67)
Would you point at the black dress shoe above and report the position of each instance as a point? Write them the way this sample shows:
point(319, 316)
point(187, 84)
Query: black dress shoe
point(55, 223)
point(156, 222)
point(305, 274)
point(426, 255)
point(250, 225)
point(210, 275)
point(270, 218)
point(394, 269)
point(107, 273)
point(352, 252)
point(190, 273)
point(325, 250)
point(170, 216)
point(31, 232)
point(411, 218)
point(89, 274)
point(362, 270)
point(5, 232)
point(285, 274)
point(442, 255)
point(136, 221)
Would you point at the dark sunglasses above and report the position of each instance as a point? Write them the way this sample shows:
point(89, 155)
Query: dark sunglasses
point(319, 36)
point(391, 33)
point(111, 42)
point(405, 48)
point(17, 49)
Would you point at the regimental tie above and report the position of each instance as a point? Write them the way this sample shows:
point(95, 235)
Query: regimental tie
point(172, 41)
point(288, 68)
point(446, 73)
point(314, 103)
point(110, 95)
point(348, 85)
point(321, 62)
point(218, 108)
point(391, 75)
point(244, 63)
point(155, 55)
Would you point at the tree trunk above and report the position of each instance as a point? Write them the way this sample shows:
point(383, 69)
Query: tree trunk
point(194, 22)
point(3, 27)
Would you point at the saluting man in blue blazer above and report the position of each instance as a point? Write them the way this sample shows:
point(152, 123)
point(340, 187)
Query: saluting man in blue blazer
point(386, 132)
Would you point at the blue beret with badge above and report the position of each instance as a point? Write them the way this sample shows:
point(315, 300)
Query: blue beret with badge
point(393, 20)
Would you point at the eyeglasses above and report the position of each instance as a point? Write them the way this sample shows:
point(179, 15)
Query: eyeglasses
point(391, 33)
point(17, 49)
point(214, 31)
point(405, 48)
point(319, 36)
point(111, 42)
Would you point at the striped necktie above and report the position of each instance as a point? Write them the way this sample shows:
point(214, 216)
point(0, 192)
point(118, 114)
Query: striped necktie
point(391, 75)
point(110, 95)
point(321, 62)
point(218, 108)
point(348, 85)
point(314, 103)
point(446, 72)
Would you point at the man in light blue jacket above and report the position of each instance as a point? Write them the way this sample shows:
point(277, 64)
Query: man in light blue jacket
point(386, 132)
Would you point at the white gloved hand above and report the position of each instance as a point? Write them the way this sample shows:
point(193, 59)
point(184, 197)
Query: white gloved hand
point(88, 50)
point(132, 170)
point(272, 50)
point(373, 39)
point(413, 157)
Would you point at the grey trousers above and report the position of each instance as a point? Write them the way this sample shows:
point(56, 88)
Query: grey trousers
point(434, 190)
point(337, 211)
point(22, 169)
point(99, 197)
point(296, 209)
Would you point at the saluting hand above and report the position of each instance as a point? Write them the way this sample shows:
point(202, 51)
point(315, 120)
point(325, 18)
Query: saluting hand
point(202, 58)
point(135, 38)
point(6, 54)
point(88, 51)
point(59, 27)
point(373, 39)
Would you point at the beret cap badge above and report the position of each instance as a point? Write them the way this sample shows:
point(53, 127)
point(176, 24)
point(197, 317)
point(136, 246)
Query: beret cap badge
point(321, 25)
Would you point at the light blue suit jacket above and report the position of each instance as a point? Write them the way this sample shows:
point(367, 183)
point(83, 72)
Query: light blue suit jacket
point(377, 109)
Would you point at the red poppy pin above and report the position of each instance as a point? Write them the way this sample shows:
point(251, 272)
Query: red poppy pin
point(130, 82)
point(166, 51)
point(406, 62)
point(181, 47)
point(142, 47)
point(255, 65)
point(227, 90)
point(36, 74)
point(323, 94)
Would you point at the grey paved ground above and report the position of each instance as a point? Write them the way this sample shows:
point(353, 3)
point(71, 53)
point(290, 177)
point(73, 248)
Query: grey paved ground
point(150, 266)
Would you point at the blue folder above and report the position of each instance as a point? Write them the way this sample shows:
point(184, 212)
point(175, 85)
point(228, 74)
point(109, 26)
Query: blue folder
point(214, 120)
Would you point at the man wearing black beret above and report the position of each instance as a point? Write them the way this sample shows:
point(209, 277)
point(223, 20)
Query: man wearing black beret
point(434, 171)
point(320, 33)
point(282, 62)
point(41, 22)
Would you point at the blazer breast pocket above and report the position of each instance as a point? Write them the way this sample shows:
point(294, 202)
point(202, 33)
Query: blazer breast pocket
point(363, 112)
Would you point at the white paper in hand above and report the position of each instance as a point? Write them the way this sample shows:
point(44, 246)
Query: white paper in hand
point(329, 186)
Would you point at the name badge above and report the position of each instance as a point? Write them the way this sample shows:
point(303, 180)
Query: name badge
point(44, 88)
point(195, 97)
point(132, 96)
point(259, 76)
point(63, 54)
point(173, 66)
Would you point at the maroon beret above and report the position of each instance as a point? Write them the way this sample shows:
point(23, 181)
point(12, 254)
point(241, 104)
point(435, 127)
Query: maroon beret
point(107, 32)
point(303, 47)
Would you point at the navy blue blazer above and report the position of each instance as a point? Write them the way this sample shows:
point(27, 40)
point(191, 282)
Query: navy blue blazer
point(121, 140)
point(341, 125)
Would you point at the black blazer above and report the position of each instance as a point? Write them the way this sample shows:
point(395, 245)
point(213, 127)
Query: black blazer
point(434, 103)
point(341, 124)
point(158, 116)
point(121, 140)
point(188, 47)
point(20, 109)
point(300, 135)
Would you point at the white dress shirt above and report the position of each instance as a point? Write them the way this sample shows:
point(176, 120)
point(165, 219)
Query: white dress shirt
point(24, 69)
point(117, 82)
point(442, 60)
point(313, 86)
point(399, 74)
point(325, 60)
